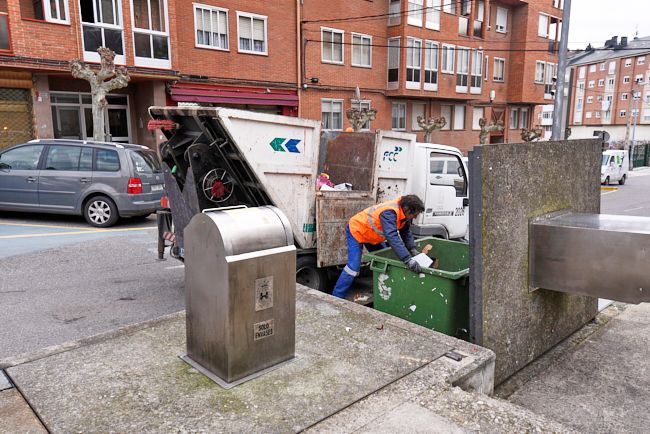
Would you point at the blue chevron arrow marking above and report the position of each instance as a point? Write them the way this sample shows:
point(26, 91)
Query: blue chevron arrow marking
point(292, 145)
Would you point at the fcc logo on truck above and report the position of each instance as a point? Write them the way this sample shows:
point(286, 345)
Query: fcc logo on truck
point(280, 144)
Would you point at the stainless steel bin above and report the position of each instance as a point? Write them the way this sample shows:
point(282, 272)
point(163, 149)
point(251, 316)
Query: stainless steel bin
point(240, 292)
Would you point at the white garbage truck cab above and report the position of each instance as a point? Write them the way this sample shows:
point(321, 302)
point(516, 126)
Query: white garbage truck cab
point(218, 157)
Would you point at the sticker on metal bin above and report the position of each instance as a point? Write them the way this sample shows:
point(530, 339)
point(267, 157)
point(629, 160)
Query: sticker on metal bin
point(385, 291)
point(263, 329)
point(263, 293)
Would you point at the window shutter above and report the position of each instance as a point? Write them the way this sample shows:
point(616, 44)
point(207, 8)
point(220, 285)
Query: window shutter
point(245, 28)
point(258, 30)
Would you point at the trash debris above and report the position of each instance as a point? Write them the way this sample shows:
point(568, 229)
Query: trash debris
point(343, 187)
point(347, 329)
point(380, 327)
point(427, 249)
point(324, 180)
point(413, 307)
point(360, 298)
point(421, 276)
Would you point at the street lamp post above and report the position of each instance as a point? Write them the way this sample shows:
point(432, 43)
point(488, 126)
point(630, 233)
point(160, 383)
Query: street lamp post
point(557, 133)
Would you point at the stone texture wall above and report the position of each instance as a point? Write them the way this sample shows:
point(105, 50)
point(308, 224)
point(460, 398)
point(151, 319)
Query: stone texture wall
point(511, 184)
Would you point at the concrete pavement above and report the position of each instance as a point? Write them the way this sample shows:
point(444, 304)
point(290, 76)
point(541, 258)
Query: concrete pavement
point(356, 370)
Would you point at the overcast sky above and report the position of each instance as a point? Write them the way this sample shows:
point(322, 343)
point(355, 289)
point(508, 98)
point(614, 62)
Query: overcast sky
point(598, 20)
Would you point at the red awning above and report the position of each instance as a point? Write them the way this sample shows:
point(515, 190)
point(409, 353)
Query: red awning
point(191, 92)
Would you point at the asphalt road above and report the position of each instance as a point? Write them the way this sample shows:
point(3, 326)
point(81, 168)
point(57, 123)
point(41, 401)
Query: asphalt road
point(633, 198)
point(61, 280)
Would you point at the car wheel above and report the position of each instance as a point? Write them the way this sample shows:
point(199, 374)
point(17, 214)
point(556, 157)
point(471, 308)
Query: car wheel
point(622, 180)
point(309, 275)
point(101, 212)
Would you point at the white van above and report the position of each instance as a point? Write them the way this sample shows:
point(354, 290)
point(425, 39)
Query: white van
point(614, 167)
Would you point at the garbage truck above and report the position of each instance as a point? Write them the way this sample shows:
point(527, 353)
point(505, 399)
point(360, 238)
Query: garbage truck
point(220, 158)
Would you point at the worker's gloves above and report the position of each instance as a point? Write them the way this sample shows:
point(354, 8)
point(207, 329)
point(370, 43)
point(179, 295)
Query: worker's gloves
point(414, 252)
point(413, 266)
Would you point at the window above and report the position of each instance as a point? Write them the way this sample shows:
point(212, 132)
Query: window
point(430, 65)
point(477, 71)
point(628, 62)
point(558, 4)
point(592, 68)
point(145, 162)
point(539, 72)
point(361, 50)
point(415, 12)
point(612, 67)
point(332, 46)
point(433, 14)
point(626, 79)
point(601, 82)
point(417, 109)
point(393, 60)
point(579, 104)
point(502, 20)
point(106, 160)
point(211, 26)
point(640, 60)
point(524, 118)
point(610, 85)
point(61, 157)
point(590, 99)
point(445, 112)
point(102, 27)
point(543, 26)
point(462, 70)
point(56, 11)
point(582, 72)
point(252, 33)
point(478, 114)
point(581, 87)
point(514, 118)
point(449, 7)
point(624, 96)
point(485, 70)
point(459, 117)
point(445, 169)
point(597, 114)
point(602, 66)
point(394, 12)
point(150, 33)
point(361, 105)
point(588, 115)
point(622, 113)
point(398, 121)
point(599, 98)
point(332, 114)
point(23, 158)
point(413, 63)
point(448, 53)
point(638, 79)
point(498, 72)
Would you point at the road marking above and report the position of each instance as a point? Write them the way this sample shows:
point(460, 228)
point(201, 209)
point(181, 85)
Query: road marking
point(91, 231)
point(608, 192)
point(609, 188)
point(633, 209)
point(175, 266)
point(46, 226)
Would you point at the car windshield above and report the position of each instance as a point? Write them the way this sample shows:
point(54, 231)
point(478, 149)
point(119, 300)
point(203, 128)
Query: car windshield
point(605, 160)
point(145, 162)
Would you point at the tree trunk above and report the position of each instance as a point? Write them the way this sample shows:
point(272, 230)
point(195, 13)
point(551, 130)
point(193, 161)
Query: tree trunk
point(99, 115)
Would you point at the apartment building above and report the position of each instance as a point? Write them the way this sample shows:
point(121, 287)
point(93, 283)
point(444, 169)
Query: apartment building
point(611, 90)
point(462, 60)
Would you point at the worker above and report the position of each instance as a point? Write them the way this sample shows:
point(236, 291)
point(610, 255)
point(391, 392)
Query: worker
point(373, 227)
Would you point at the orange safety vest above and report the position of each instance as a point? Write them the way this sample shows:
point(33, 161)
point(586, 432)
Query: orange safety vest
point(365, 226)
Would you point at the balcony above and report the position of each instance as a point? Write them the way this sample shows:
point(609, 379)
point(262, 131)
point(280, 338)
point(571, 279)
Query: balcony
point(5, 41)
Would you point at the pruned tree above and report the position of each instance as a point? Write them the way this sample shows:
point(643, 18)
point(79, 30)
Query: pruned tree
point(429, 125)
point(531, 135)
point(359, 117)
point(486, 129)
point(108, 78)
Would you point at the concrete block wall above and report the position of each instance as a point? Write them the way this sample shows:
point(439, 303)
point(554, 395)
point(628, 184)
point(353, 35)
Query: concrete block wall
point(510, 185)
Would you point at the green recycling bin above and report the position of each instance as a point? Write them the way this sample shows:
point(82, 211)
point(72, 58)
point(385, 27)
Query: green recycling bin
point(437, 299)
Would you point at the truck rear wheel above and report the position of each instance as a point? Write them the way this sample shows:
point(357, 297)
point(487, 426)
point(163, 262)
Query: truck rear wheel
point(309, 275)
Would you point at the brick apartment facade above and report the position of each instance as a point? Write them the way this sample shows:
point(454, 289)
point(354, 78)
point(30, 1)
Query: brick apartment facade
point(462, 60)
point(604, 83)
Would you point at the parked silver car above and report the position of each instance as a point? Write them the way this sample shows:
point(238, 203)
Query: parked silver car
point(101, 181)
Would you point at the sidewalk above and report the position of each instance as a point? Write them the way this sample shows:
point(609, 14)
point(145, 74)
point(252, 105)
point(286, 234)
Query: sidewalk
point(639, 171)
point(356, 370)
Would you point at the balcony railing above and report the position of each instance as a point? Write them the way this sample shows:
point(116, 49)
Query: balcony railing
point(5, 40)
